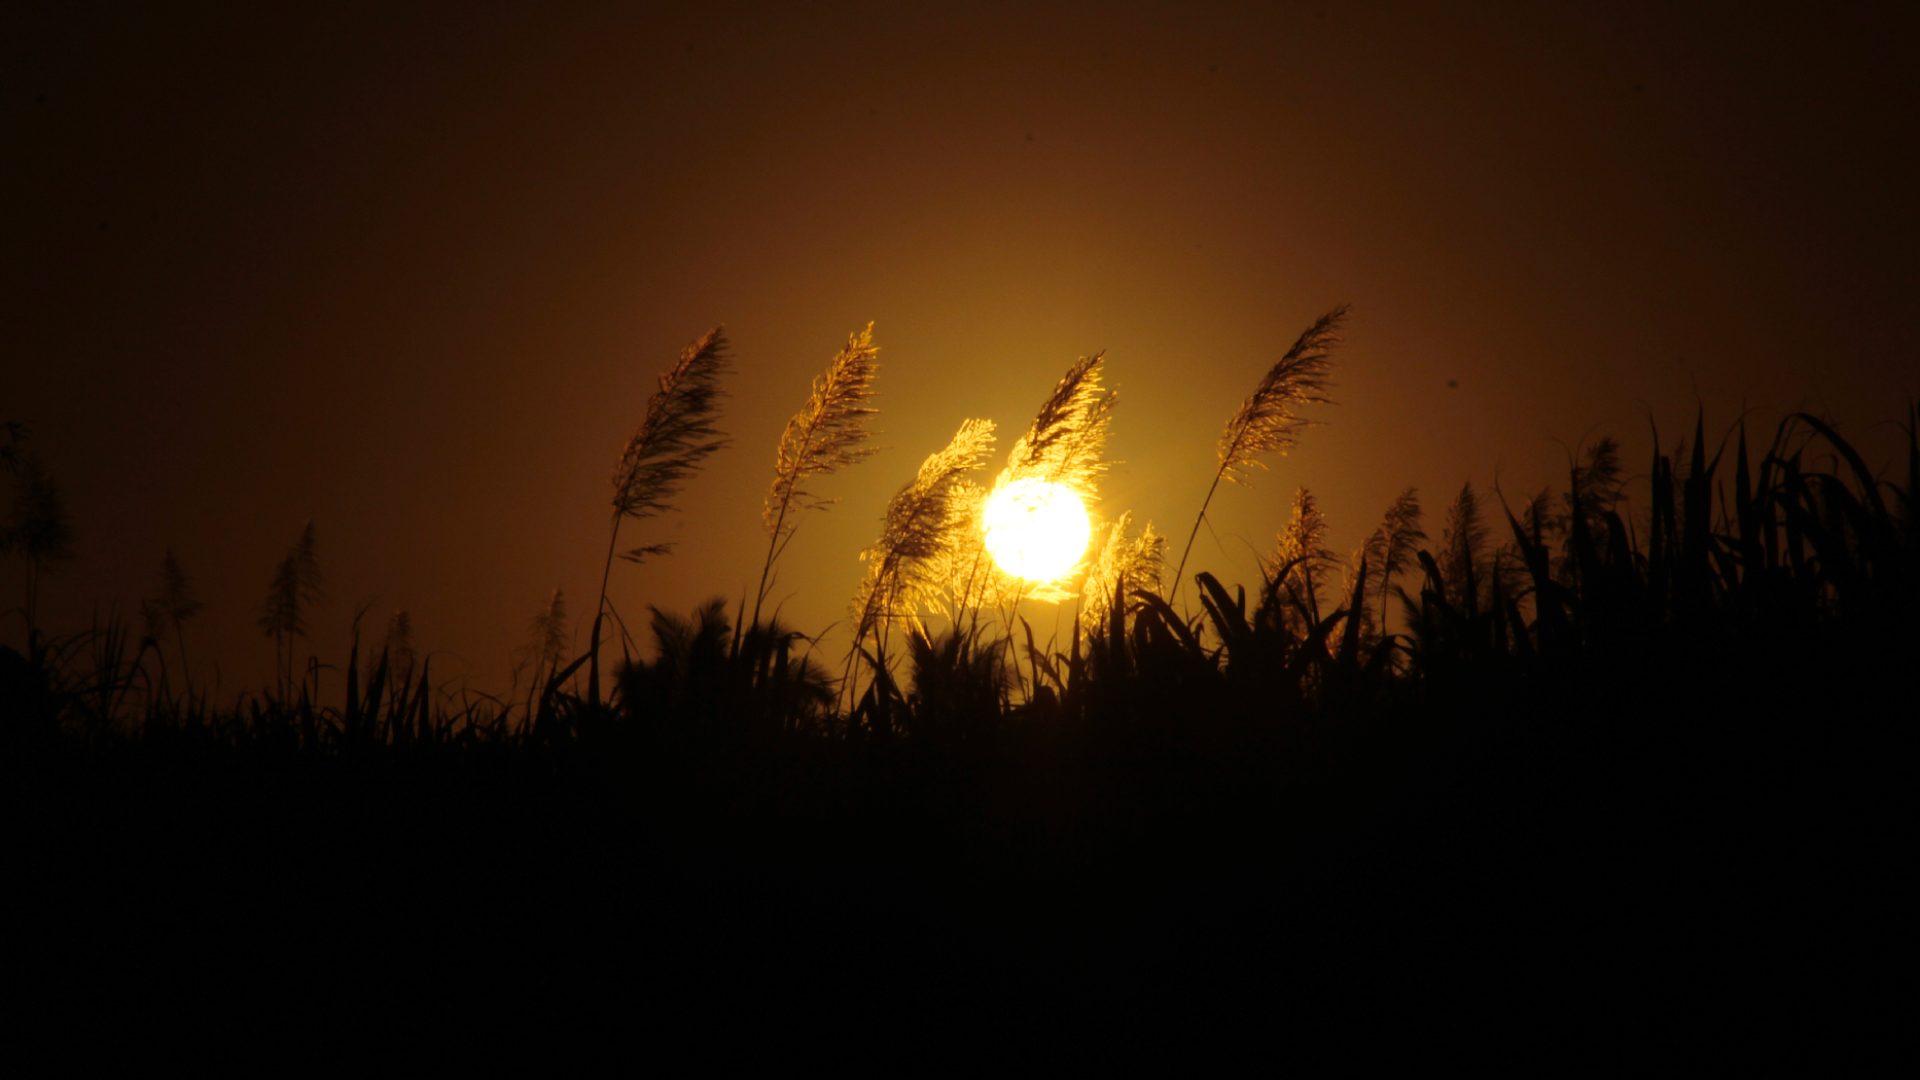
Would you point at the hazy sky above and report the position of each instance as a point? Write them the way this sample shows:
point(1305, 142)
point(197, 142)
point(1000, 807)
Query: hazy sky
point(413, 276)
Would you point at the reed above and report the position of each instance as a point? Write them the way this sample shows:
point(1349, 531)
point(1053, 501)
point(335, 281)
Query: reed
point(676, 435)
point(295, 588)
point(1269, 420)
point(921, 523)
point(1065, 445)
point(1400, 535)
point(37, 527)
point(829, 433)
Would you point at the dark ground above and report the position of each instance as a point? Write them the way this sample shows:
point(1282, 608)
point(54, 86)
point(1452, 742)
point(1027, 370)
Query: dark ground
point(1654, 873)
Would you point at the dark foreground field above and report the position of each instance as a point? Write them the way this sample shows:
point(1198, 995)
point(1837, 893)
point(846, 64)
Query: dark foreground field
point(1713, 864)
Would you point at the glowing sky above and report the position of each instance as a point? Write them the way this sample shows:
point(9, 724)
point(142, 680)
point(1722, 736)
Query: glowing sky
point(413, 277)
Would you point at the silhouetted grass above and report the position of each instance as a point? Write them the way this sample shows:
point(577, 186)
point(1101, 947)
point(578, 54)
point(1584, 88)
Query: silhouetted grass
point(1615, 773)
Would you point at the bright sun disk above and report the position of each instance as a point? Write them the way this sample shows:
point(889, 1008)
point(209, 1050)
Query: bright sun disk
point(1036, 530)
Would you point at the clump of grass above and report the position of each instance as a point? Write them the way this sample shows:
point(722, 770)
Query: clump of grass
point(920, 525)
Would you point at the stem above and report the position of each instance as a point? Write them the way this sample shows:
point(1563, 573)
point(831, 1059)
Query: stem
point(766, 568)
point(186, 673)
point(1178, 578)
point(33, 590)
point(774, 547)
point(593, 655)
point(1386, 583)
point(881, 575)
point(966, 594)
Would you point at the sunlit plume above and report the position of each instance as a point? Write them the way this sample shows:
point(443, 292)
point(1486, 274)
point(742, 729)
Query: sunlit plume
point(1036, 530)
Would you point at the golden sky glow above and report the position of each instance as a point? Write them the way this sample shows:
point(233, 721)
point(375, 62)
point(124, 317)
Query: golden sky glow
point(415, 278)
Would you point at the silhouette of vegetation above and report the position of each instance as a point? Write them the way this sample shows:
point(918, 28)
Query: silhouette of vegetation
point(170, 608)
point(296, 587)
point(36, 527)
point(1604, 713)
point(922, 522)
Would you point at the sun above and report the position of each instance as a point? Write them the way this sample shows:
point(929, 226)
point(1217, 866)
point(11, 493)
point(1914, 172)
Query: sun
point(1036, 530)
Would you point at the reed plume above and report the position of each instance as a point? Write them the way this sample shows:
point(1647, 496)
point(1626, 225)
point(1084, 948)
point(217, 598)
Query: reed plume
point(674, 438)
point(172, 606)
point(1269, 421)
point(920, 525)
point(1125, 565)
point(828, 433)
point(960, 563)
point(37, 526)
point(1596, 483)
point(550, 637)
point(1463, 545)
point(399, 648)
point(296, 586)
point(1399, 537)
point(1301, 557)
point(547, 644)
point(1067, 440)
point(1066, 445)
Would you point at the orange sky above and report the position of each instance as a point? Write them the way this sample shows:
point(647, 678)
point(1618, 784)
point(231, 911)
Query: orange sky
point(413, 278)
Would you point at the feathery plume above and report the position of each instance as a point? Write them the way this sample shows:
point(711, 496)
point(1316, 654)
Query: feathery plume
point(399, 647)
point(1125, 564)
point(676, 435)
point(550, 638)
point(965, 576)
point(1399, 537)
point(296, 586)
point(1538, 518)
point(176, 598)
point(919, 526)
point(36, 525)
point(1269, 422)
point(1065, 445)
point(172, 606)
point(1068, 436)
point(828, 433)
point(1463, 545)
point(1301, 557)
point(1596, 482)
